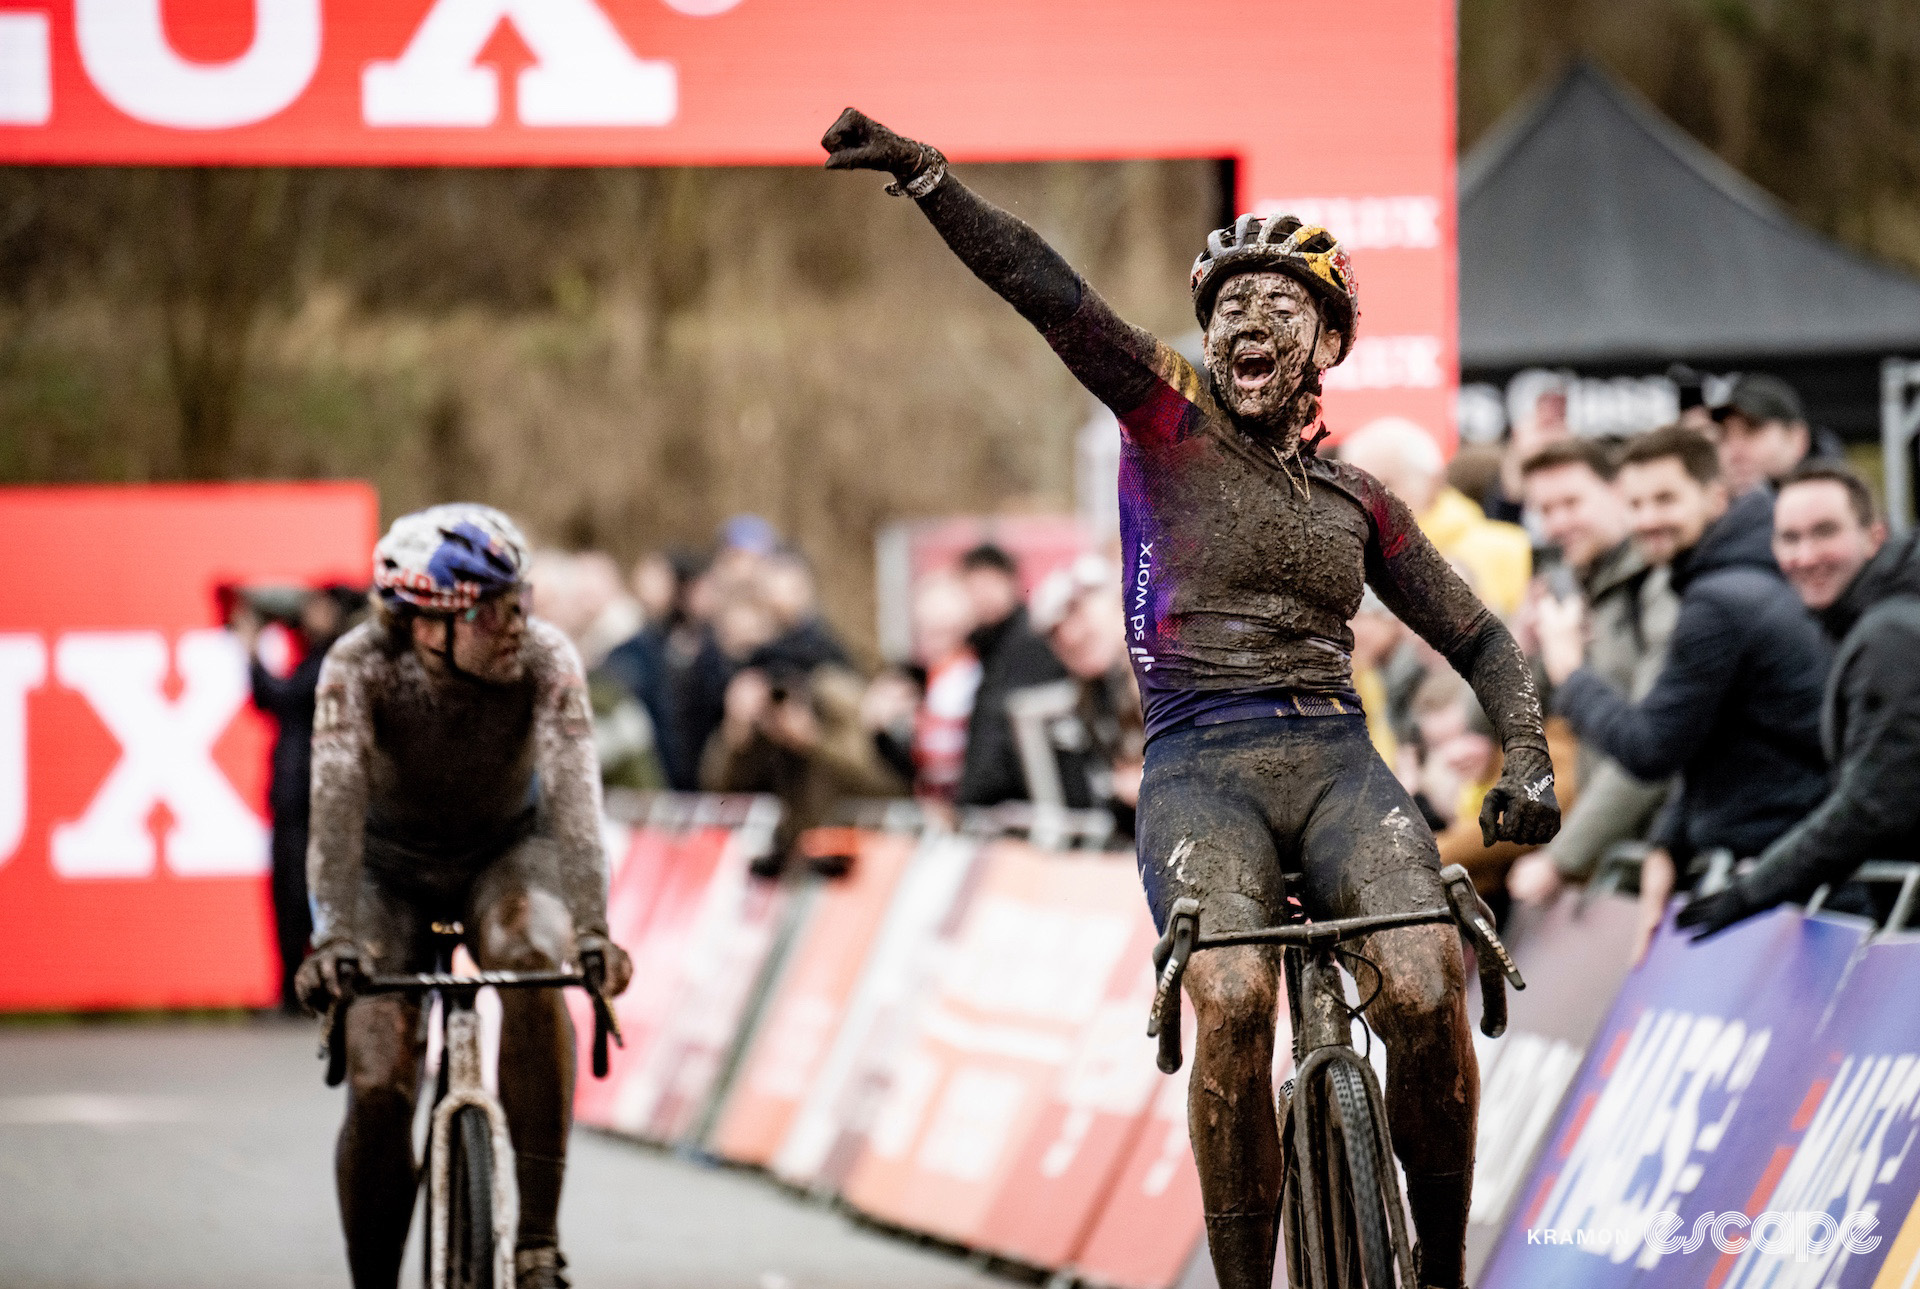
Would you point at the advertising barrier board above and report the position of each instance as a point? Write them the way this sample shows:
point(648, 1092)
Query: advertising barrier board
point(1693, 1077)
point(1028, 971)
point(810, 1002)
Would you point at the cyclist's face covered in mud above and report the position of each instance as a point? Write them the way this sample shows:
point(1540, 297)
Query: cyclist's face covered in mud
point(1265, 338)
point(488, 639)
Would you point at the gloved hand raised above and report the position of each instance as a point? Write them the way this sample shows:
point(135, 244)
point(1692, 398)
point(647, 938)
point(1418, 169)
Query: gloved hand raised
point(1521, 806)
point(858, 142)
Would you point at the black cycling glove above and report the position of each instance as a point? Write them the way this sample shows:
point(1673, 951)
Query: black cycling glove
point(1712, 914)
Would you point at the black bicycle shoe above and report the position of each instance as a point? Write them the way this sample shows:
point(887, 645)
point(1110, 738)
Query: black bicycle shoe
point(542, 1268)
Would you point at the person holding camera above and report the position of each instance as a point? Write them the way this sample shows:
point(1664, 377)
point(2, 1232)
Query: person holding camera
point(320, 617)
point(791, 726)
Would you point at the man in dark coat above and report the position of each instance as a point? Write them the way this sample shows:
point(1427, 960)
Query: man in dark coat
point(1865, 592)
point(1012, 656)
point(1735, 710)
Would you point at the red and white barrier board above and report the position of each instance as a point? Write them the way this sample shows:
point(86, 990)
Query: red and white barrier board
point(133, 830)
point(806, 1012)
point(697, 930)
point(1029, 972)
point(829, 1131)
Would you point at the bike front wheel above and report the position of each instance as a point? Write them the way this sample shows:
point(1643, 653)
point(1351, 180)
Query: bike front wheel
point(470, 1253)
point(1357, 1140)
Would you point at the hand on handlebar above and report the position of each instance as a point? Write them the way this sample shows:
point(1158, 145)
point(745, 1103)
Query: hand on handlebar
point(605, 964)
point(319, 981)
point(1521, 807)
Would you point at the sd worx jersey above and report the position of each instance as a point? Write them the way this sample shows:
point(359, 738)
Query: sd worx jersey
point(1243, 570)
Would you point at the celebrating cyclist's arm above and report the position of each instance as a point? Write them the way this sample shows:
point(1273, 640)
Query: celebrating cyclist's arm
point(1112, 359)
point(336, 841)
point(1422, 589)
point(569, 775)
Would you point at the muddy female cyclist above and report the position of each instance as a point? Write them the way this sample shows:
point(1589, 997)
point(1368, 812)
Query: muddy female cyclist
point(1246, 555)
point(454, 780)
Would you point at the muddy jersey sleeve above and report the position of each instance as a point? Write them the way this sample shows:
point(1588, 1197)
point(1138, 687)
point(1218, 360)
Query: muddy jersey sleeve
point(1123, 366)
point(1424, 591)
point(569, 774)
point(342, 744)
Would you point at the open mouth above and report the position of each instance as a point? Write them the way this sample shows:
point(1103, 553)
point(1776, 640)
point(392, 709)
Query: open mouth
point(1253, 369)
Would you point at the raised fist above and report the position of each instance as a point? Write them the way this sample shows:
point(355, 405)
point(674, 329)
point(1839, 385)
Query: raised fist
point(858, 142)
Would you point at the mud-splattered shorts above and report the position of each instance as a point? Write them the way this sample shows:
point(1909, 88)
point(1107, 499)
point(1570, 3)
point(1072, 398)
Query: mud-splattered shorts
point(1225, 809)
point(395, 915)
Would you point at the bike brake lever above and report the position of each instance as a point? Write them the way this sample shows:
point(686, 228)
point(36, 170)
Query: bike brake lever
point(333, 1042)
point(1496, 966)
point(1170, 956)
point(605, 1024)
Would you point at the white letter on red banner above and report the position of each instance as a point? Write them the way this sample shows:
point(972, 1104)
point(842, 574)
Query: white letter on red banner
point(124, 47)
point(26, 69)
point(585, 74)
point(166, 757)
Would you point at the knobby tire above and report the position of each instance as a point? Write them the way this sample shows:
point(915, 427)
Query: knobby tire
point(1359, 1147)
point(470, 1200)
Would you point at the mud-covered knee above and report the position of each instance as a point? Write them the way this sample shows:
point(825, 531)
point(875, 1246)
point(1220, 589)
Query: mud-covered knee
point(526, 931)
point(1237, 993)
point(1422, 979)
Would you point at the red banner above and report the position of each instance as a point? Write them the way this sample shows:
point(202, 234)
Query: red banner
point(133, 829)
point(1343, 114)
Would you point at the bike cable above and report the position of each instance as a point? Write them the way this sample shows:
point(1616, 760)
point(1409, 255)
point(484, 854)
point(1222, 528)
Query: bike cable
point(1379, 983)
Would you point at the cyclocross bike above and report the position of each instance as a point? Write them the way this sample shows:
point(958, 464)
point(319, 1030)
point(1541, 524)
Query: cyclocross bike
point(473, 1204)
point(1340, 1203)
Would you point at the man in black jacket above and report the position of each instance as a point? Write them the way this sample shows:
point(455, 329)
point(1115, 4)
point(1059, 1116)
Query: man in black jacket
point(1735, 710)
point(1866, 593)
point(289, 700)
point(1012, 656)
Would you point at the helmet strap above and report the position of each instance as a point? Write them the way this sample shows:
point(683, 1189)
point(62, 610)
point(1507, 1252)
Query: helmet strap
point(446, 650)
point(453, 667)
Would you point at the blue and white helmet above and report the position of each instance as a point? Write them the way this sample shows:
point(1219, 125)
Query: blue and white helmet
point(445, 559)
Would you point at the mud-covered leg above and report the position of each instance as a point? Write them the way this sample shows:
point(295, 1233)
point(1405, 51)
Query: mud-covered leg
point(1369, 851)
point(1203, 836)
point(530, 930)
point(373, 1161)
point(1230, 1110)
point(1433, 1086)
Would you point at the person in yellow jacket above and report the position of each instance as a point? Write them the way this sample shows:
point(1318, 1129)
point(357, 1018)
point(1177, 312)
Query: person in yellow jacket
point(1497, 557)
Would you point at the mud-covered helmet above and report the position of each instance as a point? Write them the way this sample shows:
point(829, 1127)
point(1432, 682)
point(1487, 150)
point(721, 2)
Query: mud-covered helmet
point(445, 559)
point(1307, 253)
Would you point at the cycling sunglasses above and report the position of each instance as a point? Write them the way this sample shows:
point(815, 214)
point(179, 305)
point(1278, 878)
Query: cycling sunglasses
point(496, 611)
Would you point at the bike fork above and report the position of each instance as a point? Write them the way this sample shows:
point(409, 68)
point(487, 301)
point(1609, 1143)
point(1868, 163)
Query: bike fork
point(466, 1087)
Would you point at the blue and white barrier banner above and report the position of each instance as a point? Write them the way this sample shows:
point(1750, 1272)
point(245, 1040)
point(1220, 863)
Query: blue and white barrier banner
point(1699, 1068)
